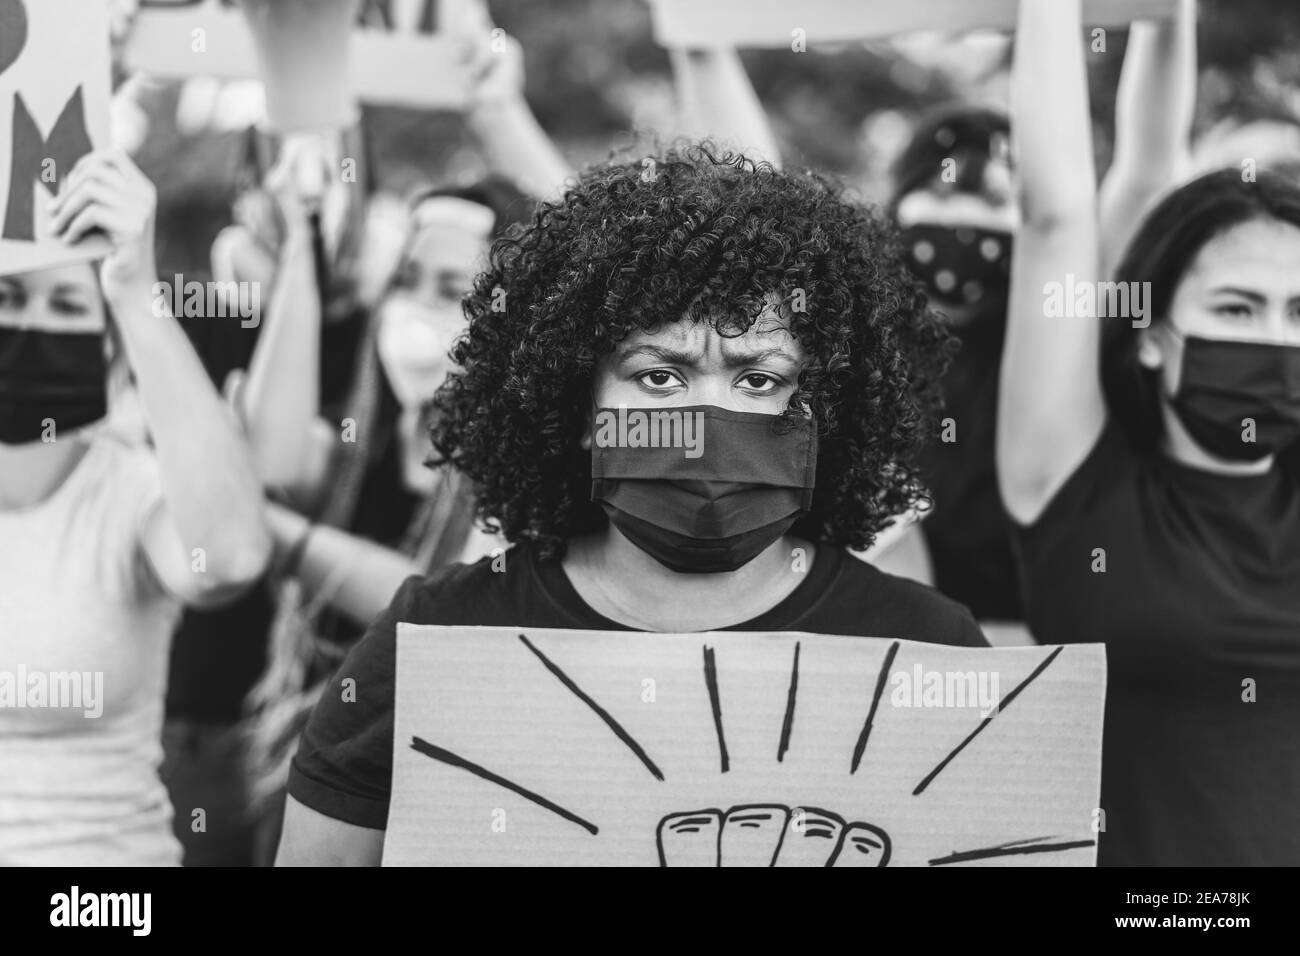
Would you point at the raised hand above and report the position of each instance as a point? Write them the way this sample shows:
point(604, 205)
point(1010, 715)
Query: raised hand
point(106, 192)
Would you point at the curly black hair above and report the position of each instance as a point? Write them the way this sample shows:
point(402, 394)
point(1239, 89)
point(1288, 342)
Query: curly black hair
point(709, 236)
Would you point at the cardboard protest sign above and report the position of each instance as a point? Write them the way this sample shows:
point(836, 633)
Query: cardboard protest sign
point(547, 747)
point(54, 96)
point(772, 23)
point(394, 57)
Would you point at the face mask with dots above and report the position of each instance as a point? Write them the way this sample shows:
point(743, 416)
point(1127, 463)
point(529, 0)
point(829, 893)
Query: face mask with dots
point(961, 266)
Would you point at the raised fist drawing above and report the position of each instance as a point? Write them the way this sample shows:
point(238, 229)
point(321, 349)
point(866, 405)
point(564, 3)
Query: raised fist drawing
point(768, 835)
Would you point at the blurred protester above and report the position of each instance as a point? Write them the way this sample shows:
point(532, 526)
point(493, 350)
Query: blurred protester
point(808, 421)
point(1155, 481)
point(355, 510)
point(954, 197)
point(103, 540)
point(218, 655)
point(368, 514)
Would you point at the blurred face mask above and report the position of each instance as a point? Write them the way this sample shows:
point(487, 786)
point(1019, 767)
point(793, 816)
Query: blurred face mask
point(961, 266)
point(59, 376)
point(1223, 383)
point(414, 342)
point(701, 489)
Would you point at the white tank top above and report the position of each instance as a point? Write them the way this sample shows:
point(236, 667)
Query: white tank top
point(84, 637)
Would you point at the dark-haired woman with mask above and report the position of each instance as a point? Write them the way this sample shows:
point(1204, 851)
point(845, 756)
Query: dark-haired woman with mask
point(796, 441)
point(954, 197)
point(1152, 472)
point(102, 542)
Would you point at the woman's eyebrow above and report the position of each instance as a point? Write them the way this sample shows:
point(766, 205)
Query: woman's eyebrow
point(759, 356)
point(70, 289)
point(661, 353)
point(1244, 293)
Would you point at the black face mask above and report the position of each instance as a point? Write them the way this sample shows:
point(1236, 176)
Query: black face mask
point(961, 266)
point(714, 512)
point(1224, 382)
point(54, 375)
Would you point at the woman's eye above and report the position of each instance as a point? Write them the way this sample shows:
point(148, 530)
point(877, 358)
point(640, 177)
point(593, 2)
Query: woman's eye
point(10, 301)
point(657, 378)
point(68, 307)
point(1234, 310)
point(759, 382)
point(453, 291)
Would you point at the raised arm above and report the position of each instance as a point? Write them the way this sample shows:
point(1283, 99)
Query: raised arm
point(718, 100)
point(212, 499)
point(1050, 406)
point(513, 142)
point(1153, 124)
point(280, 399)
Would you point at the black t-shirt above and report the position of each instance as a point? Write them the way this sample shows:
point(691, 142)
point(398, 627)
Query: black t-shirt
point(968, 534)
point(344, 764)
point(1198, 604)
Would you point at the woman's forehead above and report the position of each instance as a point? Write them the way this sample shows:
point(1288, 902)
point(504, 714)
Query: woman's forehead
point(75, 276)
point(446, 244)
point(1261, 256)
point(771, 330)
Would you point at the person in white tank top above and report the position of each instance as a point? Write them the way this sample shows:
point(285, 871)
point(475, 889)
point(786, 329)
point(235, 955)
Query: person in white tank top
point(102, 540)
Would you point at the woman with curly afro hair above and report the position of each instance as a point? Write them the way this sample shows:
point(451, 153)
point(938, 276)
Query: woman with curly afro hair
point(686, 390)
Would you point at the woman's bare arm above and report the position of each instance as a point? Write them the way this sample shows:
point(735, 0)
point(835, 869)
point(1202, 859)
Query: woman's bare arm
point(1153, 124)
point(1050, 408)
point(309, 838)
point(718, 100)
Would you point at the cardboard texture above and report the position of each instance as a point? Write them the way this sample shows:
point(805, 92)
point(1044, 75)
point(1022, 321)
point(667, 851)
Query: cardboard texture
point(769, 23)
point(396, 61)
point(54, 96)
point(546, 747)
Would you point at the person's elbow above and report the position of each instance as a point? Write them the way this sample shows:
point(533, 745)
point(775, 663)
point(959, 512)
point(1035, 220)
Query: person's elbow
point(1056, 212)
point(1023, 469)
point(279, 462)
point(228, 571)
point(249, 560)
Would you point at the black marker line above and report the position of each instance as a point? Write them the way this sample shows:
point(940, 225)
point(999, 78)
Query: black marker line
point(861, 745)
point(610, 722)
point(1006, 702)
point(711, 679)
point(1007, 849)
point(788, 724)
point(1024, 842)
point(447, 757)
